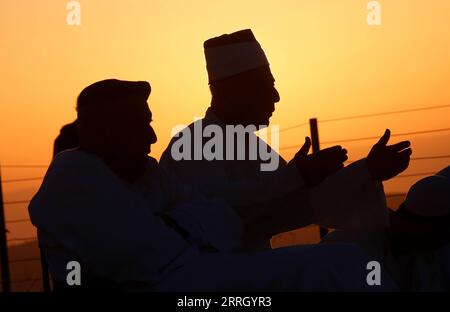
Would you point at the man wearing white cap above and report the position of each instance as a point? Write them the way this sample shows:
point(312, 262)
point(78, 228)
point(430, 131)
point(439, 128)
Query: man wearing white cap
point(129, 225)
point(415, 248)
point(310, 189)
point(419, 236)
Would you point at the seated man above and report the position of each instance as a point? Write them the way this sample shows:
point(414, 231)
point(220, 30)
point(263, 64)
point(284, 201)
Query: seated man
point(418, 253)
point(67, 138)
point(271, 195)
point(415, 248)
point(110, 207)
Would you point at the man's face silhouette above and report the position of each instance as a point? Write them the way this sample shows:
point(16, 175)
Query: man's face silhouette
point(249, 98)
point(134, 134)
point(120, 133)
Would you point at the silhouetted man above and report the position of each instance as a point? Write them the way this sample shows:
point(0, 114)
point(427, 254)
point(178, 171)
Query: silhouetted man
point(418, 253)
point(309, 189)
point(67, 138)
point(110, 207)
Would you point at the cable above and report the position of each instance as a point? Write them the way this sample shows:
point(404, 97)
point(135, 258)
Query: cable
point(414, 158)
point(368, 115)
point(26, 280)
point(24, 166)
point(32, 284)
point(396, 195)
point(24, 260)
point(385, 113)
point(22, 180)
point(374, 137)
point(16, 202)
point(21, 239)
point(18, 221)
point(415, 175)
point(392, 135)
point(430, 157)
point(293, 127)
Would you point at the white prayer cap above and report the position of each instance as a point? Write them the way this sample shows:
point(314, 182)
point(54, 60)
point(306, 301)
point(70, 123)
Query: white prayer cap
point(232, 54)
point(430, 197)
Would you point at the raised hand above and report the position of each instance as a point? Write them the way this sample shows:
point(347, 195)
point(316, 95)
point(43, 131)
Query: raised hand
point(315, 167)
point(386, 161)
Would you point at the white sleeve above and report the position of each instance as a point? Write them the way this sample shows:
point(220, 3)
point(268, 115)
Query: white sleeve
point(350, 199)
point(275, 202)
point(209, 222)
point(112, 232)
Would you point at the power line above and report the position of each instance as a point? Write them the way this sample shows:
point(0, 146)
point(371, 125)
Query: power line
point(32, 283)
point(385, 113)
point(415, 158)
point(22, 239)
point(368, 115)
point(22, 180)
point(395, 195)
point(430, 157)
point(293, 127)
point(24, 166)
point(16, 202)
point(374, 137)
point(392, 135)
point(24, 260)
point(26, 280)
point(18, 221)
point(416, 175)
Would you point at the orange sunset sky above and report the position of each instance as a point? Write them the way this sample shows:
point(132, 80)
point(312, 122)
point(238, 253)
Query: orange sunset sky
point(327, 62)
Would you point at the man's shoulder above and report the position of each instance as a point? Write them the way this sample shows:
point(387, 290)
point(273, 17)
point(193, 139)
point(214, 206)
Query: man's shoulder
point(76, 163)
point(178, 133)
point(180, 130)
point(71, 174)
point(75, 157)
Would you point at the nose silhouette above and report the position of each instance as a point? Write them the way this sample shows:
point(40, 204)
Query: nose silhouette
point(152, 136)
point(276, 95)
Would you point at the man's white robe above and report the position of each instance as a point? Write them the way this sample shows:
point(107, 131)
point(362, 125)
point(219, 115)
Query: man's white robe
point(278, 201)
point(85, 213)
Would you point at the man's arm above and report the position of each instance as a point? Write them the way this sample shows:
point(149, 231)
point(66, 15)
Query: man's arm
point(89, 212)
point(353, 198)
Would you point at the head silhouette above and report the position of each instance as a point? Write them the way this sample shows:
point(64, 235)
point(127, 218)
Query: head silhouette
point(67, 138)
point(114, 123)
point(242, 85)
point(422, 222)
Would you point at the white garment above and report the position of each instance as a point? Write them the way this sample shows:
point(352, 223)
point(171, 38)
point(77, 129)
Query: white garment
point(278, 201)
point(428, 271)
point(333, 267)
point(84, 212)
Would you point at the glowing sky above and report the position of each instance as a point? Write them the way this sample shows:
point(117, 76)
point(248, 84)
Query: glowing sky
point(326, 60)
